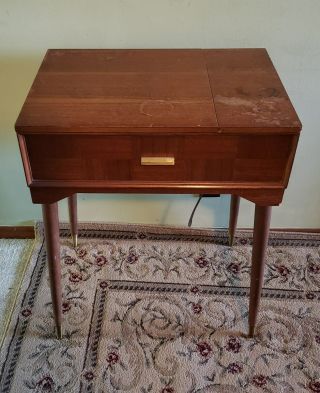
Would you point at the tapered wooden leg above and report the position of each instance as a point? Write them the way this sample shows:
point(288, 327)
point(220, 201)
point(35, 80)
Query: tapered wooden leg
point(260, 241)
point(234, 210)
point(51, 228)
point(73, 216)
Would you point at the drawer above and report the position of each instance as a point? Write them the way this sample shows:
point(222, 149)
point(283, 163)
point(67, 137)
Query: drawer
point(237, 158)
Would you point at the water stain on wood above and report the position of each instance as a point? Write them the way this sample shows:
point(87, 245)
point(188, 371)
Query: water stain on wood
point(156, 107)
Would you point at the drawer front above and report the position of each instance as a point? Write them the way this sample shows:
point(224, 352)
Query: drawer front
point(237, 158)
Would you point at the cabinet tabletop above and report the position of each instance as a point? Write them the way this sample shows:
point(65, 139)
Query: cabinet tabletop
point(157, 90)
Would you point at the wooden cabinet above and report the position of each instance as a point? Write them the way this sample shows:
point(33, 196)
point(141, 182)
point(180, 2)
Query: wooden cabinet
point(208, 121)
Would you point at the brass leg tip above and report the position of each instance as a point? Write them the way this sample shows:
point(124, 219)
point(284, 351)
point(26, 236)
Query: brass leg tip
point(59, 332)
point(251, 332)
point(75, 241)
point(231, 238)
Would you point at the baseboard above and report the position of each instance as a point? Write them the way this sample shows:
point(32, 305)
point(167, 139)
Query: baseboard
point(304, 230)
point(27, 232)
point(293, 230)
point(17, 232)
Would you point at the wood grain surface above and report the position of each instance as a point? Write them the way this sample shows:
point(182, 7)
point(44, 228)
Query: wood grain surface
point(112, 91)
point(254, 158)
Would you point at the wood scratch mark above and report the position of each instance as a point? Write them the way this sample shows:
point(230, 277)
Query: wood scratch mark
point(155, 107)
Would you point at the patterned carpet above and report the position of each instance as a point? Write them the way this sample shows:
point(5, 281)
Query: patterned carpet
point(156, 309)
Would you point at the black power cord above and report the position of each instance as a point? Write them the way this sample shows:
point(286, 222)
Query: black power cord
point(196, 205)
point(194, 209)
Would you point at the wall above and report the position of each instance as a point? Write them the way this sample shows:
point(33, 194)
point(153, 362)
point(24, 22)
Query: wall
point(288, 29)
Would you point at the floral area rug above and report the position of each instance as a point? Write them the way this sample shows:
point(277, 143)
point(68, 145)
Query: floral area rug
point(164, 310)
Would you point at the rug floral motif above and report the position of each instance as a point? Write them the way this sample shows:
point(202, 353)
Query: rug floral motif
point(153, 309)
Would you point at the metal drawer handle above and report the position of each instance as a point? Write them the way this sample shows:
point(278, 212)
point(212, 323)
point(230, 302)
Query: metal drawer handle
point(157, 160)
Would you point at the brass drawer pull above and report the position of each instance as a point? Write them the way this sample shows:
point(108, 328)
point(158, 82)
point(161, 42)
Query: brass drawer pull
point(157, 160)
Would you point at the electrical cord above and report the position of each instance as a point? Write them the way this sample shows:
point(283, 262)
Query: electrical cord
point(194, 209)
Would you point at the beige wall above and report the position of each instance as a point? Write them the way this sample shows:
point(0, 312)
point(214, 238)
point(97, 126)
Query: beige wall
point(288, 29)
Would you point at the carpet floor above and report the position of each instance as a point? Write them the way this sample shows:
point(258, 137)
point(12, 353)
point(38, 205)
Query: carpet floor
point(162, 309)
point(14, 257)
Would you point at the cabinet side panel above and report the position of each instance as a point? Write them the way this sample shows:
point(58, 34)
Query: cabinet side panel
point(25, 158)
